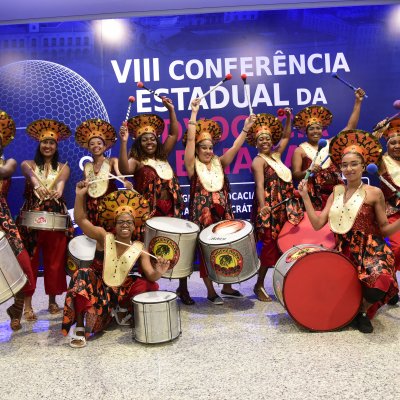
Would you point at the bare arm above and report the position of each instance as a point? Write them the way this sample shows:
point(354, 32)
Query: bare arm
point(114, 166)
point(127, 167)
point(172, 138)
point(379, 204)
point(297, 162)
point(287, 130)
point(60, 182)
point(257, 168)
point(355, 114)
point(190, 149)
point(8, 169)
point(230, 154)
point(153, 274)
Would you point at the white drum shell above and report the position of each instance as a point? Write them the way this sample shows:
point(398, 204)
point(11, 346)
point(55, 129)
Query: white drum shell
point(81, 250)
point(157, 317)
point(242, 243)
point(44, 221)
point(182, 233)
point(12, 277)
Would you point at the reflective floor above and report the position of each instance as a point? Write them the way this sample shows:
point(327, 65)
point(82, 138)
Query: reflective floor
point(243, 349)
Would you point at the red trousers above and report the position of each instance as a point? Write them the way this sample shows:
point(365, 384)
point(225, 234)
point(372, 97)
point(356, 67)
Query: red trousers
point(53, 245)
point(25, 263)
point(395, 242)
point(270, 252)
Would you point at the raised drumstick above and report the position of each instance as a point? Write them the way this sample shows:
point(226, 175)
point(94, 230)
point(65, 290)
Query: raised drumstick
point(141, 86)
point(373, 170)
point(377, 127)
point(321, 144)
point(142, 251)
point(247, 92)
point(335, 75)
point(131, 99)
point(227, 78)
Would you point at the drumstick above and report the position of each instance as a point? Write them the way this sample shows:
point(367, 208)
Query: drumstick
point(227, 78)
point(373, 170)
point(118, 178)
point(58, 174)
point(322, 163)
point(296, 194)
point(376, 128)
point(334, 75)
point(141, 85)
point(321, 144)
point(131, 99)
point(143, 251)
point(41, 183)
point(247, 92)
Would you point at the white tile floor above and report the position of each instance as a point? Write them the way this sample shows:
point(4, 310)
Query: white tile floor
point(244, 349)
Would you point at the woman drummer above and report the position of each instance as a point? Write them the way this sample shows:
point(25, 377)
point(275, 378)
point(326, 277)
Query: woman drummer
point(7, 224)
point(356, 214)
point(273, 185)
point(153, 175)
point(209, 186)
point(312, 121)
point(89, 302)
point(44, 186)
point(97, 136)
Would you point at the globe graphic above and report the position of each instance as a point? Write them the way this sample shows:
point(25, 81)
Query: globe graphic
point(35, 89)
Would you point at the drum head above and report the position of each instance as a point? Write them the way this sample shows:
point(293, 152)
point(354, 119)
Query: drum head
point(172, 225)
point(82, 248)
point(227, 231)
point(160, 296)
point(322, 291)
point(292, 235)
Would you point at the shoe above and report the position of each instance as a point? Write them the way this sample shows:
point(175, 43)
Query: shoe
point(261, 294)
point(363, 323)
point(394, 300)
point(15, 323)
point(78, 341)
point(53, 308)
point(215, 300)
point(235, 294)
point(29, 315)
point(122, 321)
point(185, 297)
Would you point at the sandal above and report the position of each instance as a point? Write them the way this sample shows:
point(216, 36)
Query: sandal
point(185, 297)
point(30, 315)
point(122, 321)
point(235, 294)
point(15, 323)
point(78, 341)
point(53, 308)
point(261, 294)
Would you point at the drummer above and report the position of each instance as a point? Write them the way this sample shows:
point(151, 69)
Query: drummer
point(209, 186)
point(273, 184)
point(312, 121)
point(97, 136)
point(7, 224)
point(45, 182)
point(356, 214)
point(89, 301)
point(153, 175)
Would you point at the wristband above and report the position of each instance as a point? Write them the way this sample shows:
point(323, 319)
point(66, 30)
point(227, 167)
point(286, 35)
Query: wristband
point(192, 123)
point(245, 131)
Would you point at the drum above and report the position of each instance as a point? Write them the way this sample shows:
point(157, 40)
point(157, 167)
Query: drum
point(81, 251)
point(44, 221)
point(175, 240)
point(12, 278)
point(229, 251)
point(157, 317)
point(318, 287)
point(292, 235)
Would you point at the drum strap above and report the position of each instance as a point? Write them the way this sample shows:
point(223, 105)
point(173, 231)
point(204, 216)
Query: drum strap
point(99, 188)
point(211, 179)
point(163, 168)
point(275, 162)
point(311, 151)
point(116, 269)
point(392, 168)
point(342, 215)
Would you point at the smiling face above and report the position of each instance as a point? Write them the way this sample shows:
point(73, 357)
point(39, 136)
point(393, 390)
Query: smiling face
point(96, 146)
point(352, 167)
point(148, 143)
point(48, 147)
point(124, 226)
point(205, 151)
point(314, 133)
point(264, 143)
point(393, 147)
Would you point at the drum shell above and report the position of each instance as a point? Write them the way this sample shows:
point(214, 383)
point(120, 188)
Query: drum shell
point(181, 243)
point(316, 302)
point(156, 317)
point(81, 250)
point(44, 221)
point(243, 248)
point(12, 277)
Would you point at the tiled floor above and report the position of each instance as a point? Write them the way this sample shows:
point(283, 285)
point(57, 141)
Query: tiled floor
point(243, 349)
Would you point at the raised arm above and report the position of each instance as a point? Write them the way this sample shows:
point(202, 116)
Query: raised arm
point(173, 133)
point(287, 130)
point(8, 169)
point(190, 149)
point(125, 165)
point(230, 154)
point(355, 114)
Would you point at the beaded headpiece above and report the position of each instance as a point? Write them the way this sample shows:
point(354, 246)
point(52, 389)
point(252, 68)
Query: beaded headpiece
point(145, 123)
point(95, 128)
point(7, 128)
point(43, 129)
point(265, 124)
point(312, 115)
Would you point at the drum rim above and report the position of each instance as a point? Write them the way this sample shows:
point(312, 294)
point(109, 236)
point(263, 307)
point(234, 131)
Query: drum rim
point(172, 233)
point(175, 297)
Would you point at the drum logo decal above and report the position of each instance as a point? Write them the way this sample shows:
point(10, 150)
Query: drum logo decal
point(301, 253)
point(71, 266)
point(166, 248)
point(227, 262)
point(41, 220)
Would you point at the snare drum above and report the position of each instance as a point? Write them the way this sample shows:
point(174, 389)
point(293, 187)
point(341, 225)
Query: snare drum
point(12, 278)
point(229, 251)
point(292, 235)
point(318, 287)
point(157, 317)
point(81, 251)
point(44, 221)
point(175, 240)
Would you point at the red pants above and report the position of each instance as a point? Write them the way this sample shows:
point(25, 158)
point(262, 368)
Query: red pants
point(395, 242)
point(270, 252)
point(25, 263)
point(54, 251)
